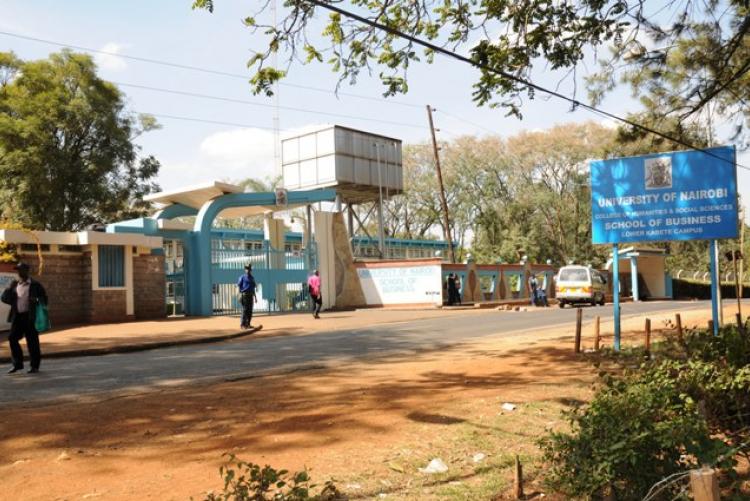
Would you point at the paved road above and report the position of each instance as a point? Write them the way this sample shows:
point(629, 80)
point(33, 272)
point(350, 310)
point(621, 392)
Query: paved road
point(87, 376)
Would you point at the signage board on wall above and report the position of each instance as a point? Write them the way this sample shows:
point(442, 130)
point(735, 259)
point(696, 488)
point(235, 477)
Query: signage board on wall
point(684, 195)
point(401, 285)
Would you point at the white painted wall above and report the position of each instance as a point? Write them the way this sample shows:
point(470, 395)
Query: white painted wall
point(402, 285)
point(326, 257)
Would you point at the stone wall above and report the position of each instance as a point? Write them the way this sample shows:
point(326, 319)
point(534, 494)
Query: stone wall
point(67, 280)
point(108, 306)
point(349, 292)
point(66, 284)
point(150, 285)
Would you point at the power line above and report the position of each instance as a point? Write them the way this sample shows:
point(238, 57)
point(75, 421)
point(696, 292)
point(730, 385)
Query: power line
point(262, 105)
point(469, 122)
point(209, 71)
point(527, 83)
point(201, 120)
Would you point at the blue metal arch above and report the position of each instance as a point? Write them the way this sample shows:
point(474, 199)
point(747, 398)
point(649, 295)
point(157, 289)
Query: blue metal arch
point(199, 263)
point(175, 210)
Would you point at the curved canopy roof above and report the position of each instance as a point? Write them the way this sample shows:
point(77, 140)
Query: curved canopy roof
point(193, 196)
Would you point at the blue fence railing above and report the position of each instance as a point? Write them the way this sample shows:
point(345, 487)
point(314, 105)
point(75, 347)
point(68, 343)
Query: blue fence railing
point(281, 276)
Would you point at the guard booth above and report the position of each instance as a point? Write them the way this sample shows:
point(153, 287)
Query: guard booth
point(643, 273)
point(203, 263)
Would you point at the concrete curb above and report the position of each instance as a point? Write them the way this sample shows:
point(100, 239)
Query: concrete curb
point(130, 348)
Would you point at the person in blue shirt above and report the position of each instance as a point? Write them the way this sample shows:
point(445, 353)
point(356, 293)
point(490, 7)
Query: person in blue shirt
point(246, 284)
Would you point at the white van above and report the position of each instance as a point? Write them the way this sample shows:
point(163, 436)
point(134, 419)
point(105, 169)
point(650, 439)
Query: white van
point(579, 284)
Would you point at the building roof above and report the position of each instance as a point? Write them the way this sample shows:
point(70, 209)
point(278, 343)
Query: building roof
point(193, 196)
point(634, 251)
point(79, 238)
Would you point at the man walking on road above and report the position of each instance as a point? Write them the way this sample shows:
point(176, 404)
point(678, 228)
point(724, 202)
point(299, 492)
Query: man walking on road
point(23, 296)
point(313, 285)
point(247, 286)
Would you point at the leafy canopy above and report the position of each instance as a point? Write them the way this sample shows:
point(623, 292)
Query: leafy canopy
point(681, 55)
point(67, 152)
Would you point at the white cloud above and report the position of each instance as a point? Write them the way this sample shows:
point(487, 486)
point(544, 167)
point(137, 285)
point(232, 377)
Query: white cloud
point(229, 155)
point(240, 153)
point(110, 61)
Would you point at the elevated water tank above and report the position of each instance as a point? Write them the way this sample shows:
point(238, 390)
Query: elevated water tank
point(357, 164)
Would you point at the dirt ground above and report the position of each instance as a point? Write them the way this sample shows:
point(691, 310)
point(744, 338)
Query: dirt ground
point(369, 426)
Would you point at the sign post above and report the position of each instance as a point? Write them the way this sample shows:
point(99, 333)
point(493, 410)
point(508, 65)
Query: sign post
point(616, 292)
point(713, 250)
point(682, 195)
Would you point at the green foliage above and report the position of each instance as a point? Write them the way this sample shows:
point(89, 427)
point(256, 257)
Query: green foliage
point(527, 194)
point(686, 408)
point(67, 156)
point(678, 57)
point(8, 252)
point(245, 481)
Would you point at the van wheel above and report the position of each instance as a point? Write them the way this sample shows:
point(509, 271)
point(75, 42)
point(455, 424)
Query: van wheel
point(602, 301)
point(561, 304)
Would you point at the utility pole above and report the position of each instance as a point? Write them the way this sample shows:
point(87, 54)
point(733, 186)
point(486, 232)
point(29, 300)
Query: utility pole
point(443, 201)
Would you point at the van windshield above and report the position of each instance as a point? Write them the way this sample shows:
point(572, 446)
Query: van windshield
point(574, 275)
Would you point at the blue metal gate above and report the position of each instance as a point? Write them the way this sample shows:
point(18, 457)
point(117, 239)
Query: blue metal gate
point(281, 276)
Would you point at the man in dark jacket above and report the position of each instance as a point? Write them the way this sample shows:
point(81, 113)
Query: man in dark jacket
point(246, 284)
point(23, 296)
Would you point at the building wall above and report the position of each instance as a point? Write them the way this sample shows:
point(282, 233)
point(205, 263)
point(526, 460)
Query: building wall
point(66, 284)
point(108, 306)
point(401, 282)
point(150, 286)
point(69, 281)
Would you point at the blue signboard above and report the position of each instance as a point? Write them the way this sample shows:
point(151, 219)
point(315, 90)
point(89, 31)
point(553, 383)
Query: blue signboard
point(684, 195)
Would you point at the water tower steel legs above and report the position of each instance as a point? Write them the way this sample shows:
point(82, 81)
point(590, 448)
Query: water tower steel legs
point(337, 203)
point(381, 234)
point(350, 219)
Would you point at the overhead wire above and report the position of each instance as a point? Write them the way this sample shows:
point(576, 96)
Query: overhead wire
point(262, 105)
point(211, 71)
point(203, 120)
point(201, 69)
point(519, 80)
point(376, 25)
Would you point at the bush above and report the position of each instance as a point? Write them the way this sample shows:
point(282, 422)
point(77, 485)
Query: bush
point(685, 288)
point(245, 481)
point(686, 408)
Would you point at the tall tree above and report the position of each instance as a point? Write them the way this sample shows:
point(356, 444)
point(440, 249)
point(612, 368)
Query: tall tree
point(67, 152)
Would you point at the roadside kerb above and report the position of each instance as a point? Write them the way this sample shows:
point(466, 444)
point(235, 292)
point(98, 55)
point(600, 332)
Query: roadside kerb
point(130, 348)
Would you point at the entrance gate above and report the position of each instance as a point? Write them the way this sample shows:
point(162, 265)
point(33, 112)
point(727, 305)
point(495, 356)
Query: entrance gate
point(281, 276)
point(174, 274)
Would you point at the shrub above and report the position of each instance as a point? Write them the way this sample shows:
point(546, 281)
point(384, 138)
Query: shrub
point(9, 251)
point(245, 481)
point(686, 408)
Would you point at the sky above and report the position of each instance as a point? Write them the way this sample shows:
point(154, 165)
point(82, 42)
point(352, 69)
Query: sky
point(242, 145)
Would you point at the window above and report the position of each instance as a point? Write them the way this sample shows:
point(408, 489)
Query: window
point(34, 248)
point(111, 266)
point(574, 275)
point(69, 248)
